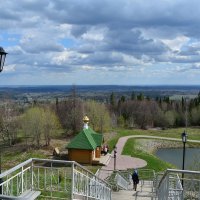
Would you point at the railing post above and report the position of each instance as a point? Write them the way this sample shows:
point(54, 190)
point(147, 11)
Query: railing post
point(87, 186)
point(72, 182)
point(167, 186)
point(22, 179)
point(95, 182)
point(32, 175)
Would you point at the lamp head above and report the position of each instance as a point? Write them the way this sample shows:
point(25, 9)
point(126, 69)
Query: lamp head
point(184, 137)
point(2, 58)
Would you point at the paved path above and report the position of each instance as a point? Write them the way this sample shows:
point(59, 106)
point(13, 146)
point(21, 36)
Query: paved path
point(127, 162)
point(144, 192)
point(121, 142)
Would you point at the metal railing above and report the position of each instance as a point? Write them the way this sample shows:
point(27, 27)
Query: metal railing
point(121, 181)
point(115, 178)
point(170, 185)
point(56, 179)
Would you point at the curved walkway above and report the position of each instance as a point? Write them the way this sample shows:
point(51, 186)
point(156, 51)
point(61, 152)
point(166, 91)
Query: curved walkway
point(122, 141)
point(127, 162)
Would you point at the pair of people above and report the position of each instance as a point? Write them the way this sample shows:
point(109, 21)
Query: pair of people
point(105, 149)
point(135, 178)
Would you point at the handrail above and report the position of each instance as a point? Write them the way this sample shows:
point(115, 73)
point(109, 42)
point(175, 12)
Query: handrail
point(33, 165)
point(171, 187)
point(7, 172)
point(69, 162)
point(176, 171)
point(121, 181)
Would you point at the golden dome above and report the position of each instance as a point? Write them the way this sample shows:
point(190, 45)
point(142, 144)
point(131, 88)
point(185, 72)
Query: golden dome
point(85, 119)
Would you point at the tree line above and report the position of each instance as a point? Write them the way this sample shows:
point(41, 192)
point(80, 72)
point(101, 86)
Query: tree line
point(38, 123)
point(143, 112)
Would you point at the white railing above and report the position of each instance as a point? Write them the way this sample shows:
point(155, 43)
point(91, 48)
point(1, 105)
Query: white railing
point(170, 186)
point(91, 187)
point(117, 179)
point(121, 181)
point(54, 178)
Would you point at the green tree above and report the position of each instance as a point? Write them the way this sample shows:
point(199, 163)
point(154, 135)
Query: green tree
point(121, 121)
point(123, 99)
point(133, 96)
point(50, 125)
point(112, 99)
point(32, 125)
point(98, 115)
point(38, 124)
point(170, 117)
point(140, 97)
point(195, 116)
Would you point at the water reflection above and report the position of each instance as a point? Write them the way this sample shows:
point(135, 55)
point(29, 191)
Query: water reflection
point(175, 156)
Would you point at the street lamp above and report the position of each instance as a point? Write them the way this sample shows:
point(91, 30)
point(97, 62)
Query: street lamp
point(2, 61)
point(184, 140)
point(115, 154)
point(2, 58)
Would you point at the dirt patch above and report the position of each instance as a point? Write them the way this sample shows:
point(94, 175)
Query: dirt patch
point(13, 155)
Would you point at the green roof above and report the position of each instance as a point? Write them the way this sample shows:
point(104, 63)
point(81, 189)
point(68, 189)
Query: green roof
point(86, 139)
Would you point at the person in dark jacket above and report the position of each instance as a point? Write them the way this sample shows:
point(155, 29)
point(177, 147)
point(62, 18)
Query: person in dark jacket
point(135, 178)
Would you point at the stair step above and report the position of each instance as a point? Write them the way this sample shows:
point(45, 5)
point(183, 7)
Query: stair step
point(29, 195)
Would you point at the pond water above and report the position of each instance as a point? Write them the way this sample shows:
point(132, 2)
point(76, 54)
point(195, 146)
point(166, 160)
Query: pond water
point(175, 156)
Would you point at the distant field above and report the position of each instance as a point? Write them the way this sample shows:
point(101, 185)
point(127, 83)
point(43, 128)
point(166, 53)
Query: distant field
point(97, 92)
point(179, 97)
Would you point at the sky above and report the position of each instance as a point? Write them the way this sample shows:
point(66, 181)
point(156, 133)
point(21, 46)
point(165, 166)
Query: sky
point(100, 42)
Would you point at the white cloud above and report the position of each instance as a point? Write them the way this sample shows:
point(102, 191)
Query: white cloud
point(177, 43)
point(65, 36)
point(10, 68)
point(95, 33)
point(87, 67)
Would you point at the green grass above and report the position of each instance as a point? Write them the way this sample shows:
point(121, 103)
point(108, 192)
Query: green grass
point(193, 134)
point(153, 162)
point(13, 158)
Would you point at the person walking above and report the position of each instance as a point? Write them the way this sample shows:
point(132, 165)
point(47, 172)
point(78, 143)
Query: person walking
point(135, 178)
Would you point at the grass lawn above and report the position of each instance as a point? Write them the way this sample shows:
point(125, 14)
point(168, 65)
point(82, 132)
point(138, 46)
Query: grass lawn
point(12, 157)
point(131, 147)
point(193, 134)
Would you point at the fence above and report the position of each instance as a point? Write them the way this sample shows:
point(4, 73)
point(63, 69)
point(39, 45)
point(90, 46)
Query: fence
point(55, 179)
point(171, 186)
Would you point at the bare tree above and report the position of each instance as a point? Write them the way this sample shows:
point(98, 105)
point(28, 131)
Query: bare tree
point(8, 122)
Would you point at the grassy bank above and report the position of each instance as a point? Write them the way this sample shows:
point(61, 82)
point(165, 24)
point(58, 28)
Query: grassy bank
point(135, 149)
point(193, 134)
point(132, 148)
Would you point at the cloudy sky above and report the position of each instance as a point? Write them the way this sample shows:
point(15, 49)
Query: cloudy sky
point(127, 42)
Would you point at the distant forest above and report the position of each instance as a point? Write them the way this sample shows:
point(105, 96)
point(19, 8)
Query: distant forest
point(37, 122)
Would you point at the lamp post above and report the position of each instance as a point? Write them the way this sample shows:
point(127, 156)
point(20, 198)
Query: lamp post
point(2, 61)
point(115, 155)
point(2, 58)
point(184, 140)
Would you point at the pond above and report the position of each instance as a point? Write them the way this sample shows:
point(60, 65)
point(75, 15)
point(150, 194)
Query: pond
point(175, 156)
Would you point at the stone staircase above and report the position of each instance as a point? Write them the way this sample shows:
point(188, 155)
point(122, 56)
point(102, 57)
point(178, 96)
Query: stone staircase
point(145, 191)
